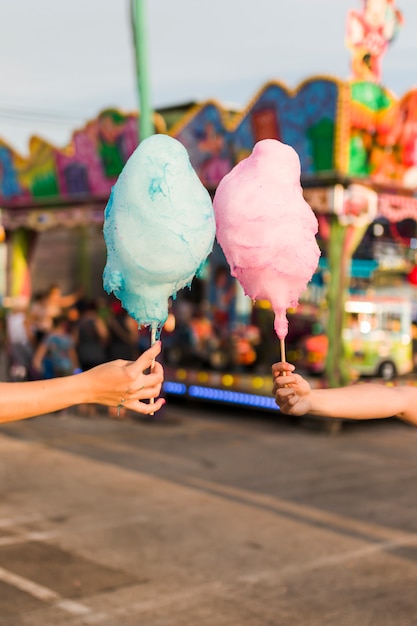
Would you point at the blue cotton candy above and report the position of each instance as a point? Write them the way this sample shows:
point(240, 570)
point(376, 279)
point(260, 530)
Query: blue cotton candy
point(159, 228)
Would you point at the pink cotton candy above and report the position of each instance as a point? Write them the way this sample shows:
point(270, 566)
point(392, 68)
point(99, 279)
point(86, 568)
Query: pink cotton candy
point(266, 229)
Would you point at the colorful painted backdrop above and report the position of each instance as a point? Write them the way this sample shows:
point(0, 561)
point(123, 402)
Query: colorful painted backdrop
point(357, 129)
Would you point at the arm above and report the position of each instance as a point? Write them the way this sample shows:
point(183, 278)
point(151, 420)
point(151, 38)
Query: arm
point(102, 329)
point(128, 334)
point(39, 355)
point(111, 384)
point(70, 299)
point(295, 396)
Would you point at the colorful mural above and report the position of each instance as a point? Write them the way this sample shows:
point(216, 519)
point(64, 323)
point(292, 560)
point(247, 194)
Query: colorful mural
point(307, 119)
point(383, 135)
point(357, 129)
point(88, 167)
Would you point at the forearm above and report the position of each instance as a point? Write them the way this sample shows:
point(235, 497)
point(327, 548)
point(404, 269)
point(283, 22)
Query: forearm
point(110, 384)
point(365, 401)
point(22, 400)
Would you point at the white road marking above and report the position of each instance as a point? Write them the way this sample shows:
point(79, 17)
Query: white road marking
point(305, 514)
point(7, 522)
point(28, 586)
point(47, 535)
point(75, 608)
point(43, 593)
point(326, 561)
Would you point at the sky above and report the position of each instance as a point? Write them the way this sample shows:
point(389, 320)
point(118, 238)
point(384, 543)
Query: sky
point(61, 63)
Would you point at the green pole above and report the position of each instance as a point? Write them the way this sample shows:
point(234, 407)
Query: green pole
point(146, 126)
point(335, 369)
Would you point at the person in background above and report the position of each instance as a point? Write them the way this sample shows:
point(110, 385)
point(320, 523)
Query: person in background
point(123, 333)
point(116, 383)
point(295, 396)
point(123, 339)
point(91, 336)
point(56, 355)
point(45, 306)
point(19, 341)
point(38, 317)
point(56, 302)
point(224, 297)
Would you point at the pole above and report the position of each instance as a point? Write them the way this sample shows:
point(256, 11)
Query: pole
point(145, 125)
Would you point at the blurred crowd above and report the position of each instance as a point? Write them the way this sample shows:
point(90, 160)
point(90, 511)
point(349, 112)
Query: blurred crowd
point(55, 334)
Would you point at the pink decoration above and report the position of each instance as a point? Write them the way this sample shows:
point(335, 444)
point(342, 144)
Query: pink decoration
point(266, 229)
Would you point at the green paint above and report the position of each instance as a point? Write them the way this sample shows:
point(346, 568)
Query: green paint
point(358, 155)
point(371, 95)
point(321, 137)
point(45, 185)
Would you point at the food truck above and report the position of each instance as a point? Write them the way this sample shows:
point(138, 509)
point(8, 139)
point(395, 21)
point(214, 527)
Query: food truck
point(377, 338)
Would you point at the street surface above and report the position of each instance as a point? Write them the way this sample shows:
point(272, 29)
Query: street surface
point(207, 517)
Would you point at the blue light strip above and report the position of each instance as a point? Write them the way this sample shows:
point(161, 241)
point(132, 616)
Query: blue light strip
point(220, 395)
point(232, 397)
point(178, 389)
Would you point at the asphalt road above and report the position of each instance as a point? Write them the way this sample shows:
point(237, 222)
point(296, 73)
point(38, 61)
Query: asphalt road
point(207, 518)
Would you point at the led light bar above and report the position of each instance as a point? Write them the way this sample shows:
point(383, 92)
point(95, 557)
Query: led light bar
point(221, 395)
point(177, 389)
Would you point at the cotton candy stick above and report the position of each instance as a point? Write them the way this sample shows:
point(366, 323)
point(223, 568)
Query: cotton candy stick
point(153, 340)
point(282, 347)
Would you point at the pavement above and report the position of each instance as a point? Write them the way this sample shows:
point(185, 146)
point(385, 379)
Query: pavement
point(207, 517)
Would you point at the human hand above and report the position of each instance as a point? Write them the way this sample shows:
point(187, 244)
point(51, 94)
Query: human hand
point(125, 383)
point(291, 391)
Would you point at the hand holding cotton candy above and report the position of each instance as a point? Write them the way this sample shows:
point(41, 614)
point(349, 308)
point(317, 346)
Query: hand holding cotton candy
point(266, 229)
point(159, 229)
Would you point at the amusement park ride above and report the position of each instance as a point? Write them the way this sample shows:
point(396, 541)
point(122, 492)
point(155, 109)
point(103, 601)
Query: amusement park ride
point(357, 144)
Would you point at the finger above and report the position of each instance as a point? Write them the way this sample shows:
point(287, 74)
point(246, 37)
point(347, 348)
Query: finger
point(141, 380)
point(279, 368)
point(150, 386)
point(287, 405)
point(285, 381)
point(157, 374)
point(293, 400)
point(143, 391)
point(281, 374)
point(146, 359)
point(150, 392)
point(285, 393)
point(152, 380)
point(147, 409)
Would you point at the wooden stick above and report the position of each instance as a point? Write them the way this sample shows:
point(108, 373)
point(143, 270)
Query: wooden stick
point(153, 339)
point(283, 357)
